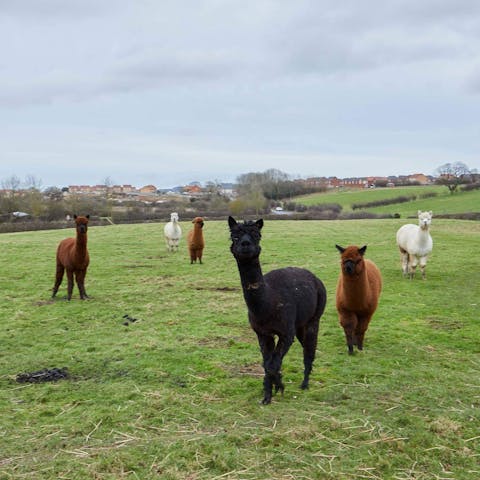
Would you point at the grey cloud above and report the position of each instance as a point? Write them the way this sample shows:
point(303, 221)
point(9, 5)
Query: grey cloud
point(157, 68)
point(153, 45)
point(357, 36)
point(72, 9)
point(472, 83)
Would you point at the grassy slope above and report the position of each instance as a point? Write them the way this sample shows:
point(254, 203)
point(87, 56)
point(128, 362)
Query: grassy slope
point(176, 394)
point(443, 203)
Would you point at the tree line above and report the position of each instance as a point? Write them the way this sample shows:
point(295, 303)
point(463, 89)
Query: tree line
point(256, 193)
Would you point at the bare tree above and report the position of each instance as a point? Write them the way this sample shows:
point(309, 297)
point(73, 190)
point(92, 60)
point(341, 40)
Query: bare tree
point(475, 175)
point(453, 174)
point(31, 182)
point(108, 182)
point(9, 199)
point(54, 194)
point(12, 183)
point(213, 188)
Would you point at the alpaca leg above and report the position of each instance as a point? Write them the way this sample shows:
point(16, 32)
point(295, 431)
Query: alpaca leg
point(78, 280)
point(80, 277)
point(412, 266)
point(267, 347)
point(70, 284)
point(283, 345)
point(267, 389)
point(58, 278)
point(308, 338)
point(360, 331)
point(404, 260)
point(194, 255)
point(349, 323)
point(423, 266)
point(272, 363)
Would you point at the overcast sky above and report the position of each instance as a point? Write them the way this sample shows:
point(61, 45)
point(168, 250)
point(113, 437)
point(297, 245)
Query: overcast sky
point(168, 92)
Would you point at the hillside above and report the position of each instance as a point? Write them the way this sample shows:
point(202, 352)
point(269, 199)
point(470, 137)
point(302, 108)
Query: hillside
point(435, 198)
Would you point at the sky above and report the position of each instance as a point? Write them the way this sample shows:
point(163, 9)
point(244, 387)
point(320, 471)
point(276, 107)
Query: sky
point(168, 92)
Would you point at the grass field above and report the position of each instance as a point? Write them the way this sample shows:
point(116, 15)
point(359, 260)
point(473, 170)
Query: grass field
point(175, 395)
point(444, 202)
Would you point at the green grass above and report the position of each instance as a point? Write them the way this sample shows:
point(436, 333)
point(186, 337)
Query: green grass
point(176, 394)
point(444, 202)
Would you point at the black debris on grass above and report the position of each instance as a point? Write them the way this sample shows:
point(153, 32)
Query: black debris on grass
point(129, 319)
point(45, 375)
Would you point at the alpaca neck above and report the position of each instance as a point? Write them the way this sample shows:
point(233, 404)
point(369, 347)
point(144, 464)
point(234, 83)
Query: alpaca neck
point(356, 286)
point(422, 235)
point(81, 244)
point(253, 285)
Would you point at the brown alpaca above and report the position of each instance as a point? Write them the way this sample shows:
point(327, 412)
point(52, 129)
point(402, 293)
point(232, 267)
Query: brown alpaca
point(358, 290)
point(195, 240)
point(72, 256)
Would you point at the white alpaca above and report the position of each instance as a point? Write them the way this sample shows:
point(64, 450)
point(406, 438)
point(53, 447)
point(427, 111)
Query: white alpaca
point(172, 232)
point(415, 244)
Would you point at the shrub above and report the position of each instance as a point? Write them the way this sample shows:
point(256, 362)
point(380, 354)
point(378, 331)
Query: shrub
point(326, 207)
point(363, 215)
point(470, 187)
point(386, 201)
point(428, 195)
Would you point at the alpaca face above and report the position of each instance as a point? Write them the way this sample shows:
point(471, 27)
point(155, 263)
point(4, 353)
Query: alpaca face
point(424, 219)
point(81, 223)
point(198, 221)
point(245, 239)
point(174, 217)
point(352, 259)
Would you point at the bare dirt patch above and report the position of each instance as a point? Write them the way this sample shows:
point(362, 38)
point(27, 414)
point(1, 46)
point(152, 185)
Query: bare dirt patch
point(442, 323)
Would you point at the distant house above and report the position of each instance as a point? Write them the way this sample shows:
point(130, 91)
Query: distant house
point(333, 182)
point(78, 189)
point(227, 190)
point(355, 182)
point(419, 178)
point(148, 190)
point(192, 189)
point(100, 189)
point(317, 182)
point(122, 190)
point(377, 181)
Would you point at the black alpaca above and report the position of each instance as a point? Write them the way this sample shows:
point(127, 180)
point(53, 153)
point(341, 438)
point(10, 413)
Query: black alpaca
point(283, 303)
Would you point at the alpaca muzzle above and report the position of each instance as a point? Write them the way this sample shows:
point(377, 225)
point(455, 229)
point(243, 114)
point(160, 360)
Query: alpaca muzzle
point(349, 267)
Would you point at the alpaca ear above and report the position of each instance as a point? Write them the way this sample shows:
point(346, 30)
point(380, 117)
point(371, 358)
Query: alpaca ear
point(232, 222)
point(87, 216)
point(259, 223)
point(419, 212)
point(362, 250)
point(430, 212)
point(339, 248)
point(74, 216)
